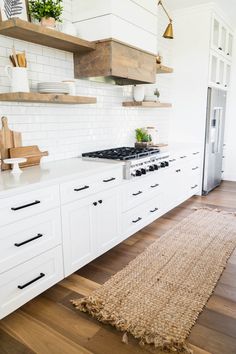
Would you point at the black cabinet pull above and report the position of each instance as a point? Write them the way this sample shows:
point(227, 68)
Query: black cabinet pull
point(228, 54)
point(220, 48)
point(179, 170)
point(155, 185)
point(194, 186)
point(153, 211)
point(81, 189)
point(135, 194)
point(100, 201)
point(29, 240)
point(173, 160)
point(218, 83)
point(26, 205)
point(109, 180)
point(183, 157)
point(196, 153)
point(31, 282)
point(95, 203)
point(134, 221)
point(195, 168)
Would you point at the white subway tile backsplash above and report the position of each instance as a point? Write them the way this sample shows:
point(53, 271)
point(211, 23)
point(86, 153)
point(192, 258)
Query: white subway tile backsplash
point(68, 130)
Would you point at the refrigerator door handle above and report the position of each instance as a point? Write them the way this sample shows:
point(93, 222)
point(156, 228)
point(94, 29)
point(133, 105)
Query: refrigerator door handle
point(217, 128)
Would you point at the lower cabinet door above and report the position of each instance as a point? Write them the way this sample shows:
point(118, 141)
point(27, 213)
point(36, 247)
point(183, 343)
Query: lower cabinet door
point(77, 234)
point(24, 282)
point(90, 227)
point(106, 221)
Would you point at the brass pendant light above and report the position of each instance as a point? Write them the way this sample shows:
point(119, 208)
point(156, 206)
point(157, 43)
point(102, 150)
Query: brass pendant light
point(169, 29)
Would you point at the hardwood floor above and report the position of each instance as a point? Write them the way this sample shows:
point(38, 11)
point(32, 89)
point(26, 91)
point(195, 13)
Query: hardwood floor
point(50, 325)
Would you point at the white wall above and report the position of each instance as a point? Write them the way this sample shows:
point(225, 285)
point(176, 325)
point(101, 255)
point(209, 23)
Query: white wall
point(190, 78)
point(230, 132)
point(66, 131)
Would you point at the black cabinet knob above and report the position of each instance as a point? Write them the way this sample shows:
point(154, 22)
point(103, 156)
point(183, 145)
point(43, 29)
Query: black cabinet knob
point(95, 203)
point(100, 201)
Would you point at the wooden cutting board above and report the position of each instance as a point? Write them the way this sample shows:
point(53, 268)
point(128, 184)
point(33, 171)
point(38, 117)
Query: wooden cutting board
point(8, 139)
point(31, 153)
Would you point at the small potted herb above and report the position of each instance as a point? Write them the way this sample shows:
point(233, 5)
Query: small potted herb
point(143, 138)
point(47, 12)
point(157, 94)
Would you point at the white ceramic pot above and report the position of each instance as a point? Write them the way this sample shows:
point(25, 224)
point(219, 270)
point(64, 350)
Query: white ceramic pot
point(48, 22)
point(138, 93)
point(72, 86)
point(18, 78)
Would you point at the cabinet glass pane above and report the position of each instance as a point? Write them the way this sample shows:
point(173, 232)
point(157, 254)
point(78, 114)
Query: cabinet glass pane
point(227, 76)
point(216, 33)
point(230, 45)
point(223, 39)
point(213, 68)
point(221, 72)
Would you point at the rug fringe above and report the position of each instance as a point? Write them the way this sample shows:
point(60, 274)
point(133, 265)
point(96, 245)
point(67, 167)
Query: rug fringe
point(214, 209)
point(96, 310)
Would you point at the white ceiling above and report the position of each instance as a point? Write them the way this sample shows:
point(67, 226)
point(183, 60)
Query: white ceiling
point(229, 6)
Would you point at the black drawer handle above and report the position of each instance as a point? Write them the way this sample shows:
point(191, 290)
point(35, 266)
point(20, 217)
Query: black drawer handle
point(173, 160)
point(134, 194)
point(155, 185)
point(220, 48)
point(81, 189)
point(196, 153)
point(135, 221)
point(218, 83)
point(27, 241)
point(195, 168)
point(26, 206)
point(31, 282)
point(194, 186)
point(95, 203)
point(109, 180)
point(179, 170)
point(100, 201)
point(153, 211)
point(183, 157)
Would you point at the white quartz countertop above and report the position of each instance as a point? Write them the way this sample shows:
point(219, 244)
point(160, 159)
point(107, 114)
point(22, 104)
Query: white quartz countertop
point(52, 173)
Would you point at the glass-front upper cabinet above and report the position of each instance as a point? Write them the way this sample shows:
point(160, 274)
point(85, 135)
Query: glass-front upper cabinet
point(219, 71)
point(222, 38)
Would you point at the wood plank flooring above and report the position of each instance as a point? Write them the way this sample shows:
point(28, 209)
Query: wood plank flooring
point(50, 325)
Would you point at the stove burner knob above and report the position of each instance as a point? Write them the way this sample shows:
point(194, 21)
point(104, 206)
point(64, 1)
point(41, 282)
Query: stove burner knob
point(155, 167)
point(151, 168)
point(143, 171)
point(138, 173)
point(163, 164)
point(166, 163)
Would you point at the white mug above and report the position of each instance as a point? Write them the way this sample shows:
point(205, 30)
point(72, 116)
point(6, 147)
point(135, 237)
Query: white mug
point(18, 78)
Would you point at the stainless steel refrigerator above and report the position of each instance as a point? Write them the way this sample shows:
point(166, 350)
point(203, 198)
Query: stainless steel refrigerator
point(214, 139)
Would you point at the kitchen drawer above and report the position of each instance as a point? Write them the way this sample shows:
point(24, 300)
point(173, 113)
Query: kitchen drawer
point(154, 207)
point(83, 187)
point(28, 238)
point(28, 204)
point(24, 282)
point(137, 192)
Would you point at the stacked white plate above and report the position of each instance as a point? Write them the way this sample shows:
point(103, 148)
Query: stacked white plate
point(53, 87)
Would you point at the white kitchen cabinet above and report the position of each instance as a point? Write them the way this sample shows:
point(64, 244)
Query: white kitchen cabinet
point(221, 38)
point(90, 227)
point(219, 71)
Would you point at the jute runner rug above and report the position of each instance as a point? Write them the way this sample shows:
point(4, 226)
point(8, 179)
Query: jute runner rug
point(157, 298)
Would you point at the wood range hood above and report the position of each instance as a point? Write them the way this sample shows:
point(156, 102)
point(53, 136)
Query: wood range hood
point(115, 62)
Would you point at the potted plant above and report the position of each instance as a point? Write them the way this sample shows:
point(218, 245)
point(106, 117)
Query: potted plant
point(157, 94)
point(143, 138)
point(47, 12)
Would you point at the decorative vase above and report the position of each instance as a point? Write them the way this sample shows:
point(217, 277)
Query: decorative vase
point(138, 93)
point(48, 22)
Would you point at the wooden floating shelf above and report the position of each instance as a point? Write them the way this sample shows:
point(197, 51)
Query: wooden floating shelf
point(150, 104)
point(37, 34)
point(162, 69)
point(33, 97)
